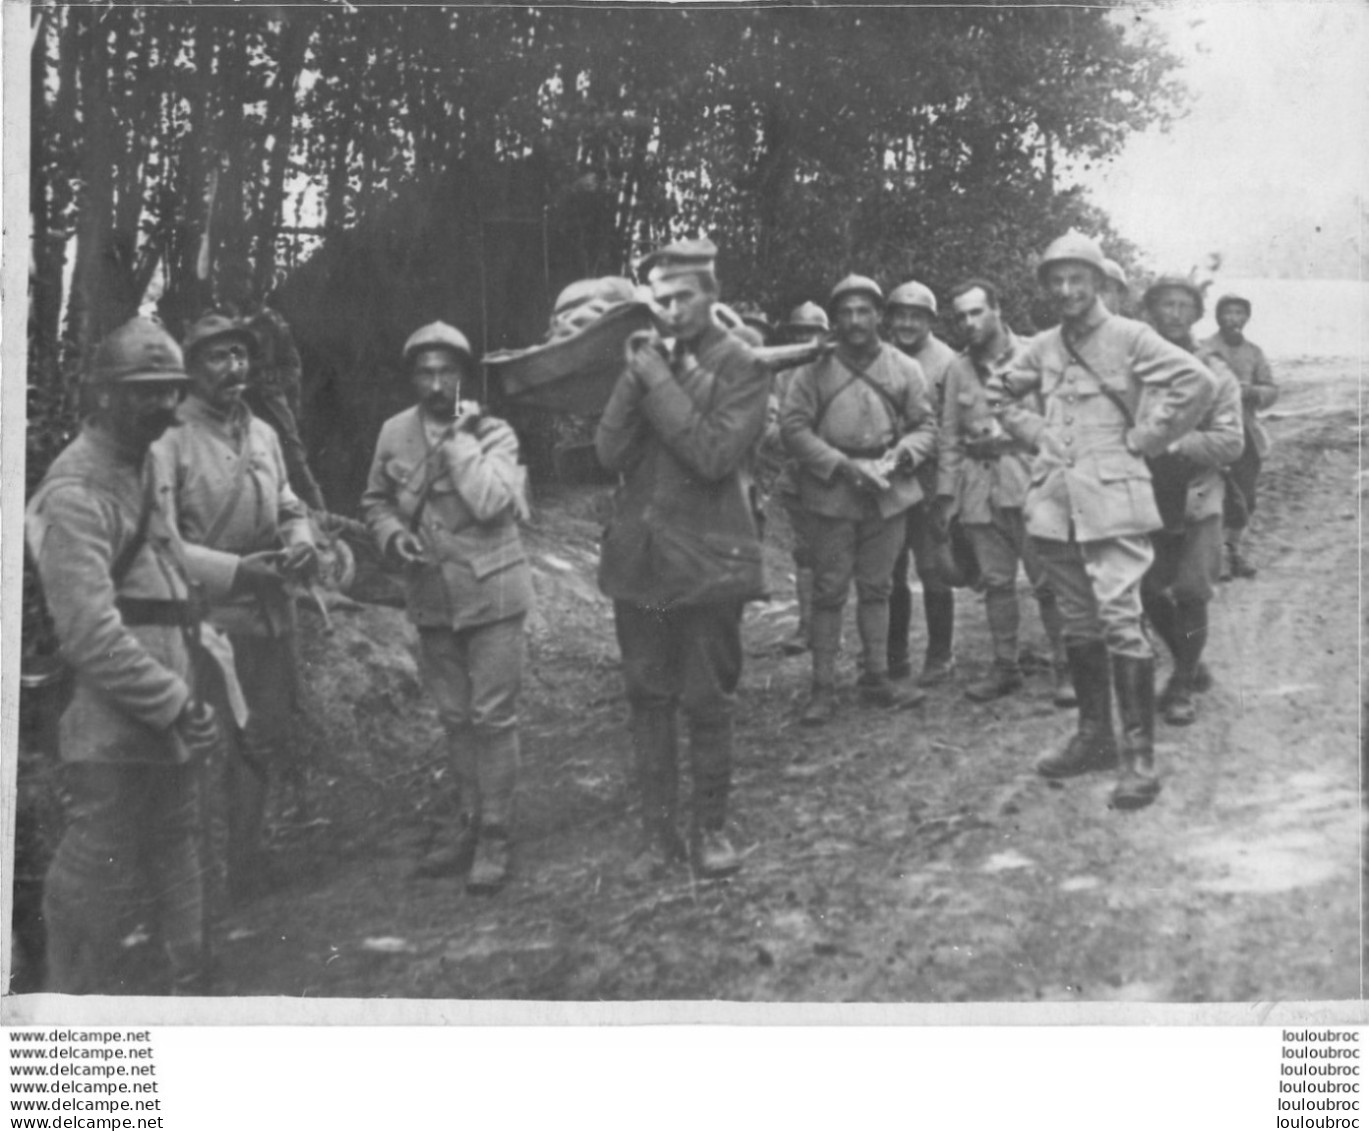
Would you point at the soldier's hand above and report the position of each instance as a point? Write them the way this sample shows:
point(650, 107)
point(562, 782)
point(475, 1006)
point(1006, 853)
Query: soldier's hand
point(259, 572)
point(408, 548)
point(197, 724)
point(644, 358)
point(859, 477)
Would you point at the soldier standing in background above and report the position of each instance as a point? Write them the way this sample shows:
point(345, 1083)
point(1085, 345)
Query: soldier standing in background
point(233, 495)
point(1116, 294)
point(1188, 552)
point(273, 393)
point(1113, 393)
point(443, 500)
point(807, 322)
point(682, 552)
point(859, 423)
point(910, 316)
point(983, 479)
point(1258, 392)
point(119, 584)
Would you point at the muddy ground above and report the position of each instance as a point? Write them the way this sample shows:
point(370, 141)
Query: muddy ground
point(907, 856)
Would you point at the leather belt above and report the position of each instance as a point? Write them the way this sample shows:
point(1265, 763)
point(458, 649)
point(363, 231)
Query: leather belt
point(143, 611)
point(865, 453)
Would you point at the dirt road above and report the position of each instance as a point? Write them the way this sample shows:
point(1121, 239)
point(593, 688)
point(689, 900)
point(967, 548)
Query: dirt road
point(891, 857)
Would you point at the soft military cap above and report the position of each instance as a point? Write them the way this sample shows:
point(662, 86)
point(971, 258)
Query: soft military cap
point(913, 294)
point(139, 350)
point(1234, 300)
point(213, 326)
point(808, 316)
point(1173, 283)
point(1073, 247)
point(683, 257)
point(437, 335)
point(855, 285)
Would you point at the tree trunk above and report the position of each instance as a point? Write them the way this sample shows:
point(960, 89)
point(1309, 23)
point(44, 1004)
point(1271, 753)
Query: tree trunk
point(294, 39)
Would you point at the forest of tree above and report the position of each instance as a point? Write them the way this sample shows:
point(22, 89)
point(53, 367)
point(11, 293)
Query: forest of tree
point(369, 168)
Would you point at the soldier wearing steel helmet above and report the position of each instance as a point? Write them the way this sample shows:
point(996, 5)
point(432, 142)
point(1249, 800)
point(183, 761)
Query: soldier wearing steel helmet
point(121, 586)
point(1258, 392)
point(443, 500)
point(1112, 393)
point(1116, 294)
point(859, 423)
point(1178, 587)
point(807, 322)
point(910, 316)
point(682, 552)
point(233, 494)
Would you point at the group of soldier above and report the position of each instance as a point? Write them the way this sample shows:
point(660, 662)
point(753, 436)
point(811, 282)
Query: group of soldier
point(171, 541)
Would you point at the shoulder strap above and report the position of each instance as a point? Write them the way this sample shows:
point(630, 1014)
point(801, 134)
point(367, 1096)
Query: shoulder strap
point(431, 478)
point(220, 522)
point(1103, 386)
point(123, 561)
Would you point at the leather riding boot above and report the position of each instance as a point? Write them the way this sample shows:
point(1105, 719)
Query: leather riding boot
point(1137, 785)
point(453, 854)
point(655, 747)
point(1093, 746)
point(1163, 618)
point(938, 606)
point(710, 756)
point(826, 638)
point(1191, 635)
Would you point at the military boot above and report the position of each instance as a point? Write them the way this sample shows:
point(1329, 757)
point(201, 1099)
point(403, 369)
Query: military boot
point(1137, 784)
point(1093, 746)
point(453, 853)
point(803, 592)
point(826, 636)
point(1003, 679)
point(710, 756)
point(655, 750)
point(490, 871)
point(1191, 636)
point(1062, 694)
point(876, 688)
point(496, 768)
point(938, 667)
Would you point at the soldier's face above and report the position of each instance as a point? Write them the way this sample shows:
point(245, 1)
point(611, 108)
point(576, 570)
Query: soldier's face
point(1174, 312)
point(909, 326)
point(1232, 319)
point(978, 321)
point(685, 306)
point(218, 372)
point(437, 375)
point(140, 411)
point(857, 321)
point(1072, 289)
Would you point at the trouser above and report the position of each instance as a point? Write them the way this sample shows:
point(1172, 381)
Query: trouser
point(265, 666)
point(1187, 565)
point(1097, 588)
point(682, 661)
point(130, 848)
point(1243, 475)
point(938, 598)
point(799, 525)
point(999, 546)
point(475, 675)
point(843, 549)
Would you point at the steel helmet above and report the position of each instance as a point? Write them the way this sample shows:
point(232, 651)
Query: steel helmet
point(808, 316)
point(437, 335)
point(1177, 283)
point(855, 285)
point(213, 326)
point(1113, 270)
point(913, 294)
point(139, 350)
point(1073, 247)
point(1234, 300)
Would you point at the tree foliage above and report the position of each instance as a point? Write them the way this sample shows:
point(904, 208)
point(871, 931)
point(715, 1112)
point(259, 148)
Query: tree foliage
point(468, 161)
